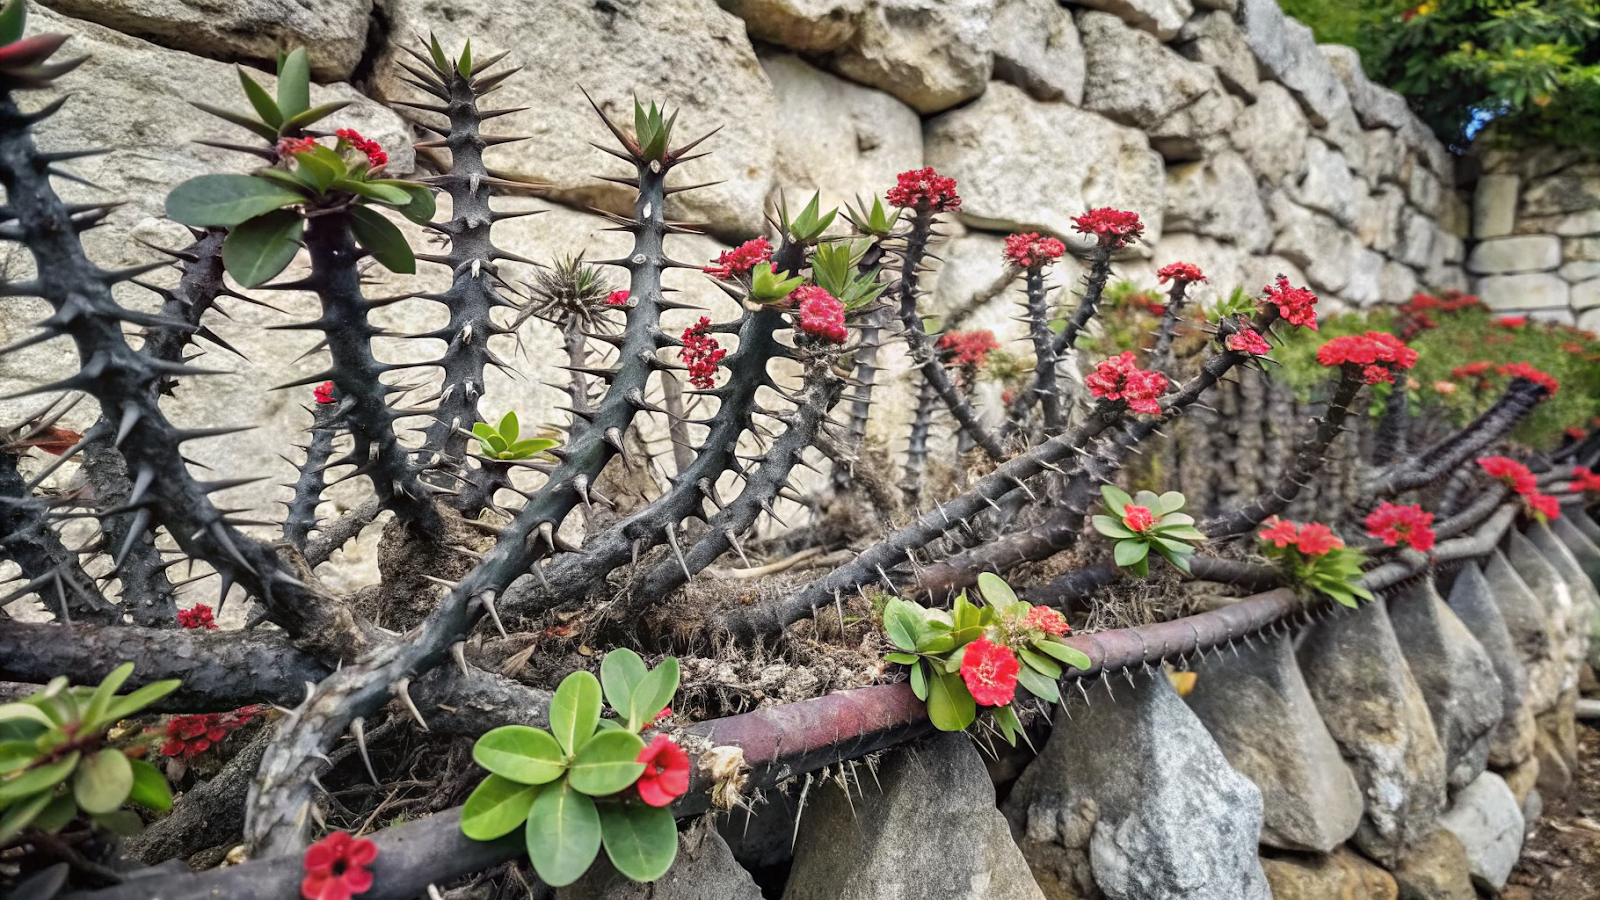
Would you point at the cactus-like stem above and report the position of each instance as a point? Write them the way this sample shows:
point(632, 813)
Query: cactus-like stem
point(308, 488)
point(1394, 429)
point(1442, 459)
point(917, 447)
point(52, 570)
point(147, 593)
point(1045, 354)
point(1161, 353)
point(1094, 287)
point(866, 378)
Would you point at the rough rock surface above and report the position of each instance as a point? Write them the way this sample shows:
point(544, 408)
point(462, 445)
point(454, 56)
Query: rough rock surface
point(1455, 674)
point(1561, 608)
point(1435, 869)
point(1288, 50)
point(1136, 791)
point(1218, 198)
point(932, 54)
point(996, 147)
point(1376, 106)
point(1487, 819)
point(810, 25)
point(1162, 18)
point(1327, 185)
point(1341, 874)
point(1584, 550)
point(1373, 708)
point(704, 870)
point(1472, 600)
point(1585, 599)
point(1037, 48)
point(1214, 38)
point(1532, 634)
point(1313, 242)
point(1134, 79)
point(1272, 133)
point(1257, 707)
point(931, 834)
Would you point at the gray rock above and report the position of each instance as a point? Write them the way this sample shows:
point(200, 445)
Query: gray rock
point(1416, 239)
point(1326, 184)
point(1374, 709)
point(932, 833)
point(334, 32)
point(1455, 675)
point(1132, 78)
point(1472, 600)
point(814, 26)
point(1365, 286)
point(1451, 248)
point(1424, 190)
point(1435, 869)
point(1396, 283)
point(1575, 189)
point(1383, 157)
point(1589, 321)
point(1581, 249)
point(1289, 51)
point(1271, 134)
point(704, 870)
point(1314, 242)
point(1162, 18)
point(1532, 630)
point(1259, 711)
point(1221, 262)
point(763, 836)
point(1036, 48)
point(1532, 809)
point(1444, 279)
point(1557, 745)
point(1378, 224)
point(1561, 608)
point(1213, 39)
point(1542, 290)
point(842, 139)
point(1488, 821)
point(1585, 623)
point(1582, 271)
point(1494, 205)
point(1509, 255)
point(933, 54)
point(1377, 106)
point(1218, 198)
point(699, 59)
point(1140, 789)
point(1586, 295)
point(1578, 224)
point(1583, 548)
point(1264, 270)
point(996, 146)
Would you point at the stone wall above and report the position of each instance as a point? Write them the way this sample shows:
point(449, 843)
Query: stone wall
point(1536, 233)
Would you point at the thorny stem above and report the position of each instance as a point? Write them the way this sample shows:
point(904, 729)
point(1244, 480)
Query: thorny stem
point(917, 447)
point(308, 488)
point(1094, 287)
point(1161, 353)
point(1444, 457)
point(1045, 354)
point(52, 570)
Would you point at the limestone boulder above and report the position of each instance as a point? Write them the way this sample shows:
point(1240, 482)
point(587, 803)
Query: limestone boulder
point(704, 870)
point(1002, 148)
point(1342, 874)
point(1437, 868)
point(1288, 50)
point(1561, 608)
point(1538, 290)
point(334, 32)
point(1161, 18)
point(1316, 243)
point(1134, 79)
point(1396, 283)
point(1365, 286)
point(1487, 819)
point(1138, 790)
point(1575, 189)
point(1587, 294)
point(680, 53)
point(1533, 631)
point(1258, 272)
point(813, 26)
point(932, 54)
point(1509, 255)
point(1557, 745)
point(1472, 600)
point(1584, 549)
point(1212, 38)
point(1380, 217)
point(1377, 106)
point(1585, 599)
point(931, 833)
point(1272, 133)
point(1494, 205)
point(1382, 156)
point(1416, 238)
point(1375, 711)
point(1326, 184)
point(1218, 198)
point(1037, 48)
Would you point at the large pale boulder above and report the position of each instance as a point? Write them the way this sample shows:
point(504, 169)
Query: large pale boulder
point(1380, 217)
point(1574, 189)
point(1437, 868)
point(1509, 255)
point(1289, 51)
point(1396, 283)
point(679, 53)
point(1214, 39)
point(1272, 133)
point(1377, 106)
point(1132, 78)
point(814, 26)
point(1417, 237)
point(1218, 198)
point(1342, 874)
point(1383, 156)
point(930, 833)
point(1585, 599)
point(1316, 243)
point(1583, 548)
point(1472, 600)
point(1037, 48)
point(1365, 286)
point(1029, 166)
point(334, 32)
point(1562, 608)
point(840, 138)
point(1532, 628)
point(1162, 18)
point(1487, 819)
point(1537, 290)
point(933, 54)
point(1326, 184)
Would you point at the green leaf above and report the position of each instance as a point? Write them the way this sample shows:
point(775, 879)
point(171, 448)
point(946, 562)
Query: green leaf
point(1041, 664)
point(260, 129)
point(1070, 655)
point(575, 710)
point(256, 251)
point(123, 822)
point(420, 206)
point(39, 778)
point(640, 840)
point(1181, 532)
point(266, 107)
point(904, 659)
point(510, 428)
point(950, 706)
point(383, 240)
point(58, 815)
point(24, 711)
point(919, 680)
point(226, 200)
point(18, 755)
point(607, 763)
point(529, 447)
point(496, 807)
point(1111, 528)
point(437, 52)
point(1038, 685)
point(20, 815)
point(294, 83)
point(1006, 718)
point(1147, 499)
point(1171, 502)
point(321, 167)
point(901, 623)
point(954, 661)
point(995, 591)
point(464, 64)
point(620, 672)
point(1116, 498)
point(100, 701)
point(521, 754)
point(563, 834)
point(13, 19)
point(486, 434)
point(103, 781)
point(311, 116)
point(1130, 552)
point(150, 789)
point(654, 693)
point(378, 193)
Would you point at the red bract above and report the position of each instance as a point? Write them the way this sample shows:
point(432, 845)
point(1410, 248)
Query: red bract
point(1585, 480)
point(1114, 228)
point(741, 259)
point(324, 393)
point(701, 353)
point(1119, 378)
point(821, 315)
point(1544, 504)
point(617, 298)
point(925, 191)
point(292, 146)
point(990, 671)
point(1248, 341)
point(1576, 433)
point(189, 736)
point(1380, 355)
point(336, 867)
point(666, 772)
point(1523, 370)
point(1311, 539)
point(198, 616)
point(1513, 473)
point(1180, 271)
point(1470, 370)
point(1279, 532)
point(54, 440)
point(1298, 306)
point(374, 151)
point(1512, 321)
point(1047, 620)
point(968, 349)
point(1392, 524)
point(1137, 518)
point(1027, 251)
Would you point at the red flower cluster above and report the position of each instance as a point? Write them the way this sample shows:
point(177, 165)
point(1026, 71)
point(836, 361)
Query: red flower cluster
point(821, 314)
point(1392, 524)
point(1585, 480)
point(1298, 306)
point(1047, 620)
point(1028, 251)
point(1248, 341)
point(924, 190)
point(1576, 433)
point(1544, 504)
point(1114, 228)
point(292, 146)
point(1119, 378)
point(741, 259)
point(1417, 314)
point(1470, 370)
point(1511, 321)
point(199, 616)
point(968, 349)
point(701, 353)
point(1180, 271)
point(190, 736)
point(375, 155)
point(1311, 539)
point(617, 298)
point(1513, 473)
point(666, 772)
point(324, 393)
point(1379, 355)
point(990, 671)
point(336, 867)
point(1523, 370)
point(1137, 518)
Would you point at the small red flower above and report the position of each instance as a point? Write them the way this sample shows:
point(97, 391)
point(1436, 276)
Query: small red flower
point(666, 713)
point(198, 616)
point(1378, 354)
point(1047, 620)
point(1298, 306)
point(821, 315)
point(924, 190)
point(1523, 370)
point(1576, 433)
point(1029, 251)
point(1248, 341)
point(336, 867)
point(741, 259)
point(1511, 321)
point(1114, 228)
point(666, 772)
point(376, 158)
point(1280, 532)
point(968, 349)
point(1544, 505)
point(990, 671)
point(617, 298)
point(294, 146)
point(324, 393)
point(1585, 480)
point(1470, 370)
point(1137, 518)
point(1180, 271)
point(1317, 539)
point(190, 736)
point(702, 354)
point(1119, 378)
point(1513, 473)
point(1392, 524)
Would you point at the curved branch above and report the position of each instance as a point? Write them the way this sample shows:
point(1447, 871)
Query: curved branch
point(52, 570)
point(1442, 459)
point(1094, 287)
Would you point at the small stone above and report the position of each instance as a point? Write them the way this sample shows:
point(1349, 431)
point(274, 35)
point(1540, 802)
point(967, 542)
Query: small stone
point(1272, 133)
point(1509, 255)
point(1578, 224)
point(1037, 48)
point(1341, 874)
point(813, 26)
point(1576, 272)
point(1161, 18)
point(1472, 600)
point(1586, 249)
point(1494, 205)
point(1326, 184)
point(704, 870)
point(1487, 819)
point(1213, 39)
point(1218, 198)
point(933, 54)
point(1435, 869)
point(1521, 778)
point(1543, 290)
